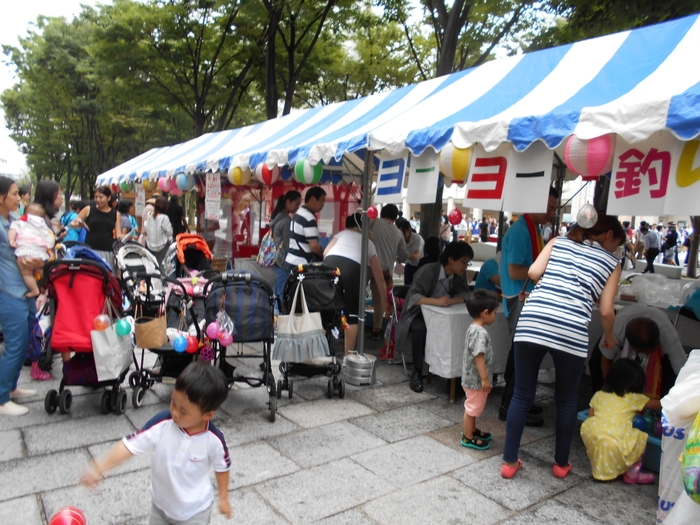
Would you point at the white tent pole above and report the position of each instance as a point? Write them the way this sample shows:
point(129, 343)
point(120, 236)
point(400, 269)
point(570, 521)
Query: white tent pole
point(366, 191)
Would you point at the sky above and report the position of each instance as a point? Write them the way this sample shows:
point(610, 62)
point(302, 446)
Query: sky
point(17, 19)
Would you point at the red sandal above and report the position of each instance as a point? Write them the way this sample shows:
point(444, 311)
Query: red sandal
point(508, 472)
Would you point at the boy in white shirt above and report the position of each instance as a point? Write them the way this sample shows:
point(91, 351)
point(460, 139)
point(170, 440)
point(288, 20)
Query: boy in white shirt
point(185, 445)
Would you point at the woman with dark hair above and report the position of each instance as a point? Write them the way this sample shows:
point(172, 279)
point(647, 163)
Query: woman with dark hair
point(23, 198)
point(345, 252)
point(158, 230)
point(572, 273)
point(176, 214)
point(48, 195)
point(431, 251)
point(414, 247)
point(287, 206)
point(16, 310)
point(102, 222)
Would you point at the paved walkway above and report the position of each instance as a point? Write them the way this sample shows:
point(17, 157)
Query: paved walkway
point(383, 455)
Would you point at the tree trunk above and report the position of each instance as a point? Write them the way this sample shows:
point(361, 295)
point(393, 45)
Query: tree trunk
point(270, 64)
point(430, 216)
point(692, 259)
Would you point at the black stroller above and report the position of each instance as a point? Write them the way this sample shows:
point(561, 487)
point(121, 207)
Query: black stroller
point(249, 303)
point(324, 294)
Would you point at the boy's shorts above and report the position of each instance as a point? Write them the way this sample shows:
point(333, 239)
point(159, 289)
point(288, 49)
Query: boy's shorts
point(475, 402)
point(158, 518)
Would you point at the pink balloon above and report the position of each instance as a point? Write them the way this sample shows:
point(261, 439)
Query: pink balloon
point(225, 339)
point(213, 330)
point(372, 212)
point(455, 217)
point(164, 184)
point(174, 190)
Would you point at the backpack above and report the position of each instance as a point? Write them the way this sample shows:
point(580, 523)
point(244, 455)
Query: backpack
point(267, 254)
point(134, 226)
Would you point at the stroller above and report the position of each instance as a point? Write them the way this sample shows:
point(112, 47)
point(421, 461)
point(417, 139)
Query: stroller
point(188, 253)
point(249, 303)
point(77, 291)
point(323, 294)
point(148, 292)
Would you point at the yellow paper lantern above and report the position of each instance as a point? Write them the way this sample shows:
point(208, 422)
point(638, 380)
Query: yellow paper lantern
point(454, 162)
point(239, 176)
point(149, 185)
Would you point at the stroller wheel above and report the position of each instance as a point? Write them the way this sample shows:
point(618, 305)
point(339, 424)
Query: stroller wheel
point(65, 401)
point(279, 388)
point(134, 379)
point(329, 393)
point(291, 388)
point(341, 388)
point(120, 401)
point(273, 408)
point(106, 402)
point(137, 396)
point(51, 401)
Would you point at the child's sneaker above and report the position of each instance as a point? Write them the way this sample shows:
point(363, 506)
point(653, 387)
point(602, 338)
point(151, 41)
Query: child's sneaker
point(476, 443)
point(38, 374)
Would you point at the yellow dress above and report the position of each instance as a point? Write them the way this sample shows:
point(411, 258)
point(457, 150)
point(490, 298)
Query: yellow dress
point(612, 443)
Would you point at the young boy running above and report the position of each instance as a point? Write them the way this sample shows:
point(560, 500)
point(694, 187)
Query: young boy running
point(476, 366)
point(185, 445)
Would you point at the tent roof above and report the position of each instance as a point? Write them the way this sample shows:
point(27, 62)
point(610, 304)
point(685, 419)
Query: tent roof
point(632, 83)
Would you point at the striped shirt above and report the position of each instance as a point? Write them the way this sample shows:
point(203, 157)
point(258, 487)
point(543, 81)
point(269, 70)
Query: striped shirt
point(389, 242)
point(303, 229)
point(559, 309)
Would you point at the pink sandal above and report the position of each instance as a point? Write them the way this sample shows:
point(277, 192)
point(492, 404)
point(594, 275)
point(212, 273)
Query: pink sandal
point(634, 476)
point(561, 472)
point(508, 472)
point(38, 374)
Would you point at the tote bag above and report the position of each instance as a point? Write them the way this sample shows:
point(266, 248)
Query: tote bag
point(112, 352)
point(300, 337)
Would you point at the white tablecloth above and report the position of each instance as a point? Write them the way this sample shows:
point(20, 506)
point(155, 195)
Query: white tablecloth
point(447, 330)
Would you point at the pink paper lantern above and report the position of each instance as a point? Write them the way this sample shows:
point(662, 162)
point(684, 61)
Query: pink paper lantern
point(174, 190)
point(372, 212)
point(455, 217)
point(590, 158)
point(267, 176)
point(165, 184)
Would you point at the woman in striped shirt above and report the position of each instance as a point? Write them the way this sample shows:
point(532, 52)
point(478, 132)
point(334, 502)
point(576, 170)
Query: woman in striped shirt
point(573, 273)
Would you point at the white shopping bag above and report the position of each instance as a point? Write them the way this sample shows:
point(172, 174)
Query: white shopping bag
point(112, 352)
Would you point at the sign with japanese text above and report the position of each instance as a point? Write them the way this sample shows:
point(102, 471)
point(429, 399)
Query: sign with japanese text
point(390, 176)
point(510, 180)
point(423, 178)
point(140, 203)
point(212, 202)
point(658, 176)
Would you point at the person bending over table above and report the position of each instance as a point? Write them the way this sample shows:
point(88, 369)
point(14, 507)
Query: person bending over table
point(646, 334)
point(442, 283)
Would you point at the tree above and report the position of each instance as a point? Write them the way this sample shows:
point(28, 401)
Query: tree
point(692, 260)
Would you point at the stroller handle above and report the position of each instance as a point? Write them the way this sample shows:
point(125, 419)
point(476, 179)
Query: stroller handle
point(232, 276)
point(75, 264)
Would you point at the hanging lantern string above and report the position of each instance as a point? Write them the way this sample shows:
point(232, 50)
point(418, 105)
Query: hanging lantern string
point(574, 195)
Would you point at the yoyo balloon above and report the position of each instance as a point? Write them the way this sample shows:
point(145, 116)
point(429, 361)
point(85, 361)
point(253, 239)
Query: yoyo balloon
point(180, 343)
point(225, 339)
point(587, 216)
point(207, 353)
point(102, 322)
point(68, 516)
point(455, 217)
point(213, 330)
point(640, 423)
point(192, 344)
point(658, 428)
point(372, 212)
point(123, 327)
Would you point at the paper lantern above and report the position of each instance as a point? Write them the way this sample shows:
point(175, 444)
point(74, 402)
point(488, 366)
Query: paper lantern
point(126, 186)
point(239, 176)
point(184, 182)
point(590, 158)
point(115, 188)
point(149, 185)
point(455, 217)
point(372, 212)
point(454, 162)
point(267, 176)
point(174, 190)
point(165, 184)
point(305, 173)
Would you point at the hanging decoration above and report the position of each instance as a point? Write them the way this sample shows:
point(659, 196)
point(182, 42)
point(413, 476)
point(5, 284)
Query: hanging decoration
point(305, 173)
point(454, 217)
point(149, 185)
point(590, 158)
point(239, 176)
point(165, 184)
point(372, 212)
point(185, 182)
point(126, 186)
point(267, 176)
point(454, 163)
point(115, 188)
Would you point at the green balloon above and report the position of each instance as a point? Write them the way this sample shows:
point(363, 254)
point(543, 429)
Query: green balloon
point(123, 327)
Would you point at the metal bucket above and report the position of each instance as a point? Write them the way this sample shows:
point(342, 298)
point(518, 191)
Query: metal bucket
point(360, 369)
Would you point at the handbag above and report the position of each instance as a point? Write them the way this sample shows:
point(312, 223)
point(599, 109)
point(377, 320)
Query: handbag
point(149, 332)
point(267, 255)
point(300, 337)
point(112, 352)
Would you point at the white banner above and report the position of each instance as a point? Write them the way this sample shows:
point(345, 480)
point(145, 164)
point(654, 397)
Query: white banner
point(528, 179)
point(390, 176)
point(487, 177)
point(659, 176)
point(140, 203)
point(423, 178)
point(212, 202)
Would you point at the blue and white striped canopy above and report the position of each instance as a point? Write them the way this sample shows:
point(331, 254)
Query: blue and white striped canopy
point(632, 83)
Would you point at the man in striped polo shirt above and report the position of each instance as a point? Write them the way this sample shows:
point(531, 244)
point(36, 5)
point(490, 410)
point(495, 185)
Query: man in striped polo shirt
point(303, 238)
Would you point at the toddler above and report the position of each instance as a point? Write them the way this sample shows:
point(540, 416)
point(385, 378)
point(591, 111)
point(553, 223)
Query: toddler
point(613, 445)
point(476, 366)
point(185, 445)
point(31, 237)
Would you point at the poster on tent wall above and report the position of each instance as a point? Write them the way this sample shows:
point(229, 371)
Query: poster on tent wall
point(423, 178)
point(140, 203)
point(659, 176)
point(390, 176)
point(212, 202)
point(510, 180)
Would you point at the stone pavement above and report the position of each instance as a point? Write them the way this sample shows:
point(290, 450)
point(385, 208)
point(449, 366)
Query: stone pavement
point(383, 455)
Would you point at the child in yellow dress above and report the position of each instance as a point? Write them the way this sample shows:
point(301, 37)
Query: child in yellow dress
point(613, 445)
